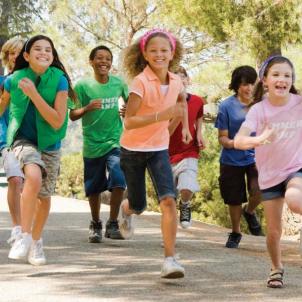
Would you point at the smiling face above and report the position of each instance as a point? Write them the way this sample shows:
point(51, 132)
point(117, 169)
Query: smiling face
point(40, 55)
point(101, 62)
point(158, 53)
point(245, 92)
point(279, 80)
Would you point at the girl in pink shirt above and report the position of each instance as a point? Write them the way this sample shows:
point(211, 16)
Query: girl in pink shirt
point(277, 121)
point(152, 103)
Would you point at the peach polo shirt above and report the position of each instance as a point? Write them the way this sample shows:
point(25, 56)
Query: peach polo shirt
point(153, 137)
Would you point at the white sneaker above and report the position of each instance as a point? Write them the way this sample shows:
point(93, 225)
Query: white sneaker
point(36, 254)
point(16, 233)
point(126, 224)
point(21, 246)
point(171, 269)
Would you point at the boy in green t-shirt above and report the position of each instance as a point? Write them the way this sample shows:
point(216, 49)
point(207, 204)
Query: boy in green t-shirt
point(102, 126)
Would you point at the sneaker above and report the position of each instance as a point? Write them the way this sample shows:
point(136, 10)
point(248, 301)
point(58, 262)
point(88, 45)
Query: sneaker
point(113, 230)
point(171, 269)
point(185, 215)
point(252, 222)
point(36, 254)
point(95, 232)
point(21, 247)
point(126, 224)
point(16, 233)
point(233, 240)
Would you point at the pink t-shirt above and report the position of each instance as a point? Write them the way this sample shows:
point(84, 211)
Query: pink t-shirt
point(153, 137)
point(283, 156)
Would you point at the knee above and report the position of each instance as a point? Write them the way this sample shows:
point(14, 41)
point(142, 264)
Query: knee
point(273, 234)
point(168, 203)
point(293, 201)
point(15, 181)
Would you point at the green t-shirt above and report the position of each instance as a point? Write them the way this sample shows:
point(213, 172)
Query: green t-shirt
point(102, 128)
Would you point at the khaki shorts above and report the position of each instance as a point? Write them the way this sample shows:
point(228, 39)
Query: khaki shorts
point(185, 175)
point(49, 162)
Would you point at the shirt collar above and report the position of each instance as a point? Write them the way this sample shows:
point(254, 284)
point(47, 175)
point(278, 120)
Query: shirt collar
point(151, 76)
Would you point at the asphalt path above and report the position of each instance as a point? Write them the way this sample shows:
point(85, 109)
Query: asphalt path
point(129, 270)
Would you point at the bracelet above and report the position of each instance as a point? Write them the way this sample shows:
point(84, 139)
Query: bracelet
point(156, 117)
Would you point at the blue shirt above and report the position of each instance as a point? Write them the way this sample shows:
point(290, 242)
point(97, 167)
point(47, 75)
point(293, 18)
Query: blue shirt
point(28, 129)
point(231, 114)
point(3, 119)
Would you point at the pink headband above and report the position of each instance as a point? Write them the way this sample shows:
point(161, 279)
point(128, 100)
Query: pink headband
point(146, 36)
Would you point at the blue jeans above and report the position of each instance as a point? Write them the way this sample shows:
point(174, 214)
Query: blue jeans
point(95, 178)
point(134, 165)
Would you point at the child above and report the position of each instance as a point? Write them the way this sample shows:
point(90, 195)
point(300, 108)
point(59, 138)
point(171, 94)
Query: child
point(9, 52)
point(184, 157)
point(37, 92)
point(238, 172)
point(102, 127)
point(145, 139)
point(276, 119)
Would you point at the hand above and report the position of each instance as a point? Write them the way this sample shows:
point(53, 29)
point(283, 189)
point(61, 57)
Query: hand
point(267, 136)
point(186, 136)
point(200, 142)
point(28, 88)
point(94, 105)
point(122, 111)
point(175, 111)
point(182, 96)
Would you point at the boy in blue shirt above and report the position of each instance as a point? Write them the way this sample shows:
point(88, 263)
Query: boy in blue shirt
point(238, 172)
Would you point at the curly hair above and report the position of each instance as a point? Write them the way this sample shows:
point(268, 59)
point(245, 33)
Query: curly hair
point(134, 61)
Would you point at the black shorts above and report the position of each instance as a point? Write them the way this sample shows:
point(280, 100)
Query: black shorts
point(235, 181)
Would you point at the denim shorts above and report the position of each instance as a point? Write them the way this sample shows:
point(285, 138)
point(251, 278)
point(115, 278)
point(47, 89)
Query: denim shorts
point(95, 177)
point(278, 191)
point(134, 165)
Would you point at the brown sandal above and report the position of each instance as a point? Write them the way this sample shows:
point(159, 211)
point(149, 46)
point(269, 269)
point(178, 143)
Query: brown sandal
point(275, 279)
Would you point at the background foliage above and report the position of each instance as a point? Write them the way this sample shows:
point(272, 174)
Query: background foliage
point(217, 36)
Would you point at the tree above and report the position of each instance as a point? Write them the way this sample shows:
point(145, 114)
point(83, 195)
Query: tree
point(16, 18)
point(262, 27)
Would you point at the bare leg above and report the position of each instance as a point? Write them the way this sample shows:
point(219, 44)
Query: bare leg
point(254, 201)
point(13, 198)
point(42, 213)
point(186, 195)
point(293, 195)
point(95, 206)
point(273, 214)
point(32, 185)
point(169, 225)
point(235, 215)
point(115, 202)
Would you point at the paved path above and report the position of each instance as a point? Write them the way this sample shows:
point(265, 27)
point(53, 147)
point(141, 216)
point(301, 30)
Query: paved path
point(122, 271)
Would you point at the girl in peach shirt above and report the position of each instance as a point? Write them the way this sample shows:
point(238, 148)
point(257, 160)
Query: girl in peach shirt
point(156, 96)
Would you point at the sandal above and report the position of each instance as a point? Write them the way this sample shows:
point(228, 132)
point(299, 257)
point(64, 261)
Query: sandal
point(275, 279)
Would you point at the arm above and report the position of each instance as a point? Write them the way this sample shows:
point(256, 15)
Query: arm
point(244, 141)
point(224, 140)
point(4, 101)
point(54, 116)
point(76, 114)
point(133, 121)
point(174, 124)
point(186, 134)
point(200, 140)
